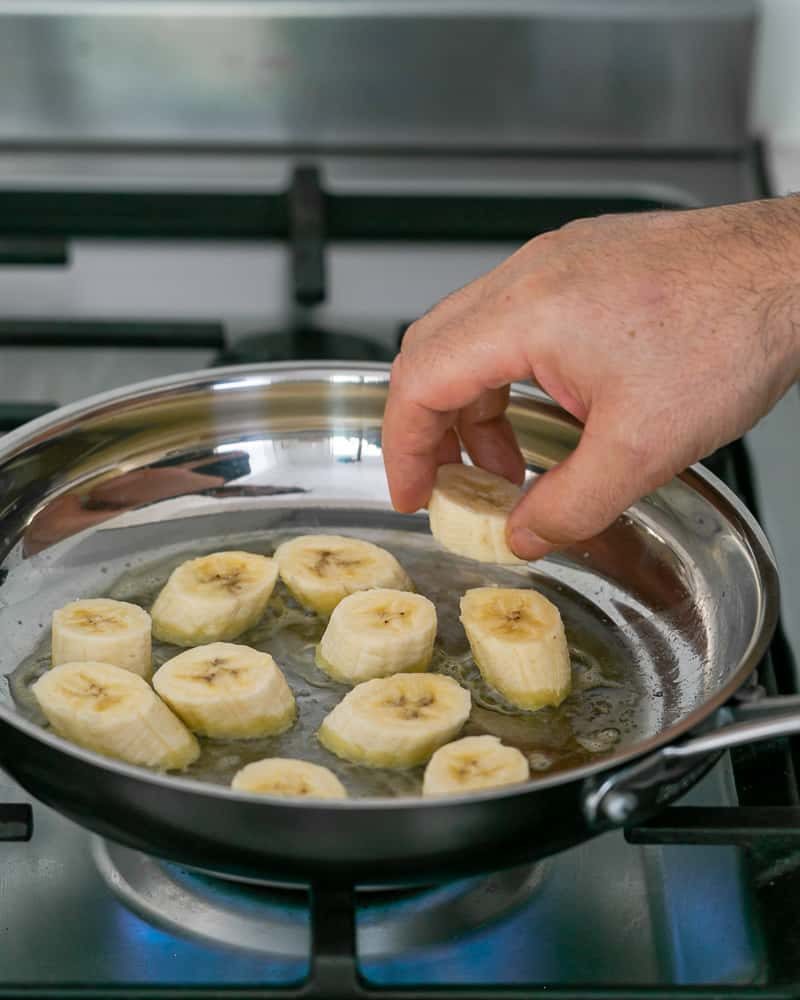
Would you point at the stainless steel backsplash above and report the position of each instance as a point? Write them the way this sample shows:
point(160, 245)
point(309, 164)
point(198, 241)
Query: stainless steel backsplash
point(332, 74)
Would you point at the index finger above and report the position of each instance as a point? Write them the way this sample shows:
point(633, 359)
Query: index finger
point(445, 373)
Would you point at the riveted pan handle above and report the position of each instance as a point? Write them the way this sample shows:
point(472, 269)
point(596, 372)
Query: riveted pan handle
point(635, 790)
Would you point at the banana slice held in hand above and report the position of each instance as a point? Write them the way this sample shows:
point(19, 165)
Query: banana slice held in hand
point(396, 721)
point(214, 598)
point(227, 691)
point(471, 763)
point(375, 633)
point(468, 511)
point(112, 711)
point(518, 643)
point(289, 778)
point(103, 631)
point(321, 570)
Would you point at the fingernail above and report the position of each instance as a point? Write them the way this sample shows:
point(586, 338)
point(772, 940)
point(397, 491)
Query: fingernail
point(528, 545)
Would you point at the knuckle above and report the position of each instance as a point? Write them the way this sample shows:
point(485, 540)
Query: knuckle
point(664, 220)
point(579, 225)
point(518, 292)
point(415, 333)
point(594, 225)
point(542, 247)
point(453, 300)
point(433, 322)
point(550, 238)
point(398, 367)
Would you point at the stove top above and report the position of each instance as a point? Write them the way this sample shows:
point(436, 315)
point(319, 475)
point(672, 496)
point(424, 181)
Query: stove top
point(702, 896)
point(176, 263)
point(75, 910)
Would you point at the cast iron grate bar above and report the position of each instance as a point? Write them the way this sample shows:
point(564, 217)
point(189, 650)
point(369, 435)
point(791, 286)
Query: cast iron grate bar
point(741, 826)
point(221, 216)
point(307, 236)
point(27, 251)
point(112, 333)
point(16, 821)
point(15, 414)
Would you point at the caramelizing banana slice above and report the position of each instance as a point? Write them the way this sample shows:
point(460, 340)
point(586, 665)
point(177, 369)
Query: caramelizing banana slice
point(289, 778)
point(376, 633)
point(468, 510)
point(396, 721)
point(214, 598)
point(227, 691)
point(518, 642)
point(320, 570)
point(111, 710)
point(104, 631)
point(473, 762)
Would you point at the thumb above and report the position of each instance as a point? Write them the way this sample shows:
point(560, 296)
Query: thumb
point(581, 496)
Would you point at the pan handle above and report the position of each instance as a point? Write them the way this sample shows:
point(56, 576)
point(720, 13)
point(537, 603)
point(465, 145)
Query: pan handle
point(636, 790)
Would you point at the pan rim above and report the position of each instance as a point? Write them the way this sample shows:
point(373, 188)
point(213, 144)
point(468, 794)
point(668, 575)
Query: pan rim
point(264, 374)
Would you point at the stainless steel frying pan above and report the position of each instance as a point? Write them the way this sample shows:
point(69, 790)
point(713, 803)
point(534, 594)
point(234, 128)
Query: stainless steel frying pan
point(669, 612)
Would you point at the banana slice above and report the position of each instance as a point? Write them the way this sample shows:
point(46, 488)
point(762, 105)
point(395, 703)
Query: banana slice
point(518, 642)
point(320, 570)
point(468, 510)
point(375, 633)
point(396, 721)
point(227, 691)
point(473, 762)
point(104, 631)
point(289, 778)
point(111, 710)
point(214, 598)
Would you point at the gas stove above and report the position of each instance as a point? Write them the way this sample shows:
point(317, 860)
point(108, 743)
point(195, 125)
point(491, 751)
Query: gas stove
point(677, 904)
point(180, 189)
point(605, 913)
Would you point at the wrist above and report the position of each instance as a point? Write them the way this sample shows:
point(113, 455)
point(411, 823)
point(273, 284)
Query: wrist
point(782, 312)
point(792, 320)
point(781, 332)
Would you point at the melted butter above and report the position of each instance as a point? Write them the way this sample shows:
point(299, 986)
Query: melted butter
point(601, 712)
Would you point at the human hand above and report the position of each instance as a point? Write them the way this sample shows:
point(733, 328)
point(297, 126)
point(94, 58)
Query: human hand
point(667, 335)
